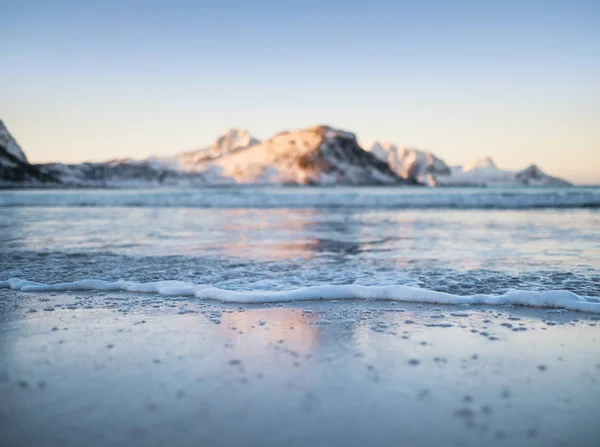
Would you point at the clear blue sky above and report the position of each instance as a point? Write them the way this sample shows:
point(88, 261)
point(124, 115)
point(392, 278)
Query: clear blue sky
point(516, 80)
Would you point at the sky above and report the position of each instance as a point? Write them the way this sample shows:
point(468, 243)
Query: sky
point(515, 80)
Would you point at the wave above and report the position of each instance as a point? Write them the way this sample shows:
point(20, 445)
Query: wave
point(281, 197)
point(561, 299)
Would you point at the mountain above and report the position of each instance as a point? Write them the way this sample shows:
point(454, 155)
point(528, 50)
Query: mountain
point(413, 165)
point(184, 169)
point(534, 176)
point(485, 173)
point(119, 173)
point(478, 165)
point(418, 166)
point(14, 167)
point(10, 146)
point(232, 141)
point(318, 155)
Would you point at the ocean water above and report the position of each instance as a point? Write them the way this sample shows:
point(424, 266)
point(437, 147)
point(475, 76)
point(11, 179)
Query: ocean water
point(264, 242)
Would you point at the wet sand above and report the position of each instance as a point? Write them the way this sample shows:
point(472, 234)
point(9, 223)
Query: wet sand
point(101, 369)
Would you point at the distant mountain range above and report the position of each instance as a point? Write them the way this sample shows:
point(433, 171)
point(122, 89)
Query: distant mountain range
point(319, 155)
point(425, 168)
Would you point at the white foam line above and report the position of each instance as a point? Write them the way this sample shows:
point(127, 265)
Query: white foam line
point(561, 299)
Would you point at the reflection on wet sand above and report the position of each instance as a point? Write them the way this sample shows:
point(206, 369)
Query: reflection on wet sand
point(75, 364)
point(295, 327)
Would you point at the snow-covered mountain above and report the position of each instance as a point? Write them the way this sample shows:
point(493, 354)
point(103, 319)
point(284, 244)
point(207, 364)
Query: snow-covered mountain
point(481, 165)
point(120, 173)
point(319, 155)
point(14, 167)
point(234, 140)
point(423, 167)
point(413, 165)
point(187, 168)
point(484, 172)
point(534, 176)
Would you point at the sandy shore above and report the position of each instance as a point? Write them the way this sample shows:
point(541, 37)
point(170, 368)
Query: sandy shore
point(122, 369)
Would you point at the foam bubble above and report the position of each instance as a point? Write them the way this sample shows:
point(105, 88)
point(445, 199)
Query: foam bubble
point(561, 299)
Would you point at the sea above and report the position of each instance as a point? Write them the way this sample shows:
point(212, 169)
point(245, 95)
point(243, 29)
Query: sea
point(282, 243)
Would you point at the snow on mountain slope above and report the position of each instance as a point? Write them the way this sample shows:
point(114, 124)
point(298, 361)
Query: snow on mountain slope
point(479, 165)
point(232, 141)
point(184, 169)
point(319, 155)
point(419, 166)
point(485, 173)
point(534, 176)
point(413, 165)
point(120, 173)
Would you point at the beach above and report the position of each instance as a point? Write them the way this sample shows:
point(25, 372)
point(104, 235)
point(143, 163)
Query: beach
point(80, 368)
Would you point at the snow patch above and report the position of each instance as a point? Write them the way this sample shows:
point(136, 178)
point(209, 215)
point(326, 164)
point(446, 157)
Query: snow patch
point(411, 164)
point(419, 166)
point(484, 163)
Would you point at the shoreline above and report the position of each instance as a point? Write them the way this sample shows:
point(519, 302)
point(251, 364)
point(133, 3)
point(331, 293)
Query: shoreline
point(562, 300)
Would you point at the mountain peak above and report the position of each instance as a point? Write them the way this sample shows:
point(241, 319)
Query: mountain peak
point(322, 130)
point(235, 138)
point(483, 163)
point(532, 171)
point(533, 175)
point(413, 165)
point(8, 143)
point(318, 155)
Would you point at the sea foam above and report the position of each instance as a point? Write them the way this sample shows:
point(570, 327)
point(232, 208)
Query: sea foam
point(561, 299)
